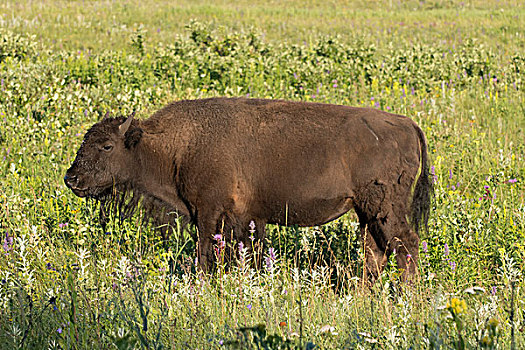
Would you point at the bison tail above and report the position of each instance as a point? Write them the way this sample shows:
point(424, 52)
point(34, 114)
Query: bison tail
point(423, 190)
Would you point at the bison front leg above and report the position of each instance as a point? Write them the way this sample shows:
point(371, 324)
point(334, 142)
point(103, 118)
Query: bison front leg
point(375, 256)
point(207, 240)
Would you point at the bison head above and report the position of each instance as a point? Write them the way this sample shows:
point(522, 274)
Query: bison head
point(105, 158)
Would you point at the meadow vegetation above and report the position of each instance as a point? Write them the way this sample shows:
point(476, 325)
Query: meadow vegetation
point(457, 68)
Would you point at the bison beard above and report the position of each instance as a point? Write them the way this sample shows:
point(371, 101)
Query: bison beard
point(123, 201)
point(222, 163)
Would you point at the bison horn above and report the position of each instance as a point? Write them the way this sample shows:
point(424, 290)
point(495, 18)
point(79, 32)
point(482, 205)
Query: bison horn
point(125, 126)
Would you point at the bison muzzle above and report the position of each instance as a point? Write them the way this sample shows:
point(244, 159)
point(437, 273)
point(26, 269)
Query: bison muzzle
point(225, 162)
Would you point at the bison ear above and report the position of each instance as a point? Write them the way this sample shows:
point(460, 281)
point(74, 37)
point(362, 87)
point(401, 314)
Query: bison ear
point(132, 137)
point(123, 128)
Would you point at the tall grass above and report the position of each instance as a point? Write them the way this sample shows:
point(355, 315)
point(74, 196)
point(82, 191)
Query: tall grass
point(66, 283)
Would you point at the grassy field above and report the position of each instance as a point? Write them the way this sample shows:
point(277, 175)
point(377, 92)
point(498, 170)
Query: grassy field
point(457, 68)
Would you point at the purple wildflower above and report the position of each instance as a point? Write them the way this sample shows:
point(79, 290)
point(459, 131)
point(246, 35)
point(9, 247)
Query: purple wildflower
point(271, 253)
point(452, 265)
point(59, 330)
point(249, 307)
point(63, 225)
point(450, 173)
point(424, 245)
point(446, 251)
point(493, 290)
point(512, 181)
point(217, 237)
point(8, 242)
point(270, 259)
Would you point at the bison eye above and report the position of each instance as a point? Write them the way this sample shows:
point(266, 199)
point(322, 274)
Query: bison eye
point(108, 147)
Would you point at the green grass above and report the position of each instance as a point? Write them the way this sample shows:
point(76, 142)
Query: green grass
point(454, 67)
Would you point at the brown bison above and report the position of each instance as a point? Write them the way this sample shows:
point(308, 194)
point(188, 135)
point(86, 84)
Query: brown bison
point(225, 162)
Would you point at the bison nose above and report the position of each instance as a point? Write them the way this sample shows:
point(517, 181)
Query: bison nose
point(70, 180)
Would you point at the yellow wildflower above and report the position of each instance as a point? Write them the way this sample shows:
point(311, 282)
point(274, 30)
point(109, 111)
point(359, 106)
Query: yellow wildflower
point(493, 322)
point(457, 306)
point(486, 341)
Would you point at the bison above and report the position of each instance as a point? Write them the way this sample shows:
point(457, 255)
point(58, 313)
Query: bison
point(226, 163)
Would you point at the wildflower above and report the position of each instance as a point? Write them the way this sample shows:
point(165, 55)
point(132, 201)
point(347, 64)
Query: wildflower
point(446, 250)
point(512, 181)
point(474, 290)
point(485, 341)
point(327, 329)
point(220, 243)
point(282, 324)
point(63, 225)
point(252, 229)
point(271, 253)
point(493, 323)
point(409, 257)
point(452, 265)
point(241, 247)
point(493, 290)
point(457, 306)
point(433, 173)
point(450, 173)
point(8, 242)
point(249, 307)
point(59, 330)
point(270, 259)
